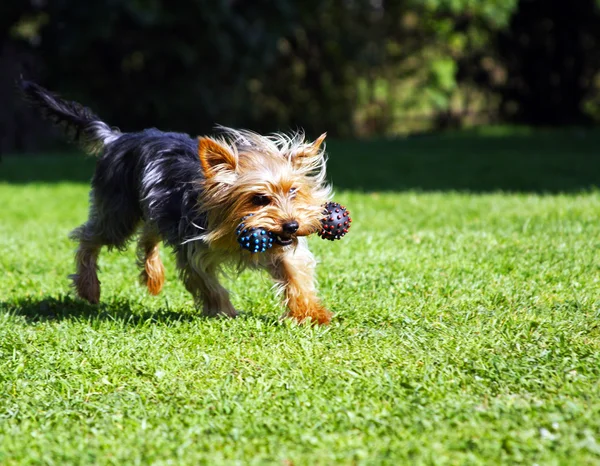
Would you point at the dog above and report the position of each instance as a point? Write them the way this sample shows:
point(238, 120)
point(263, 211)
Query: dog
point(191, 194)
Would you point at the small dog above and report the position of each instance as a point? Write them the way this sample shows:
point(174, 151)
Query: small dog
point(192, 194)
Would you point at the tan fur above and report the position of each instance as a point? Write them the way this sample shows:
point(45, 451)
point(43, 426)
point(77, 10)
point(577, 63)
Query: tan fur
point(212, 155)
point(153, 271)
point(294, 271)
point(270, 168)
point(290, 172)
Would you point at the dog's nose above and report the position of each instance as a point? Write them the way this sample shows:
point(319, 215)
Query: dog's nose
point(291, 227)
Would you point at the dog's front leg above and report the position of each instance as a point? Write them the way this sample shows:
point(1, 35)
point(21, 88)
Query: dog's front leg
point(294, 270)
point(203, 283)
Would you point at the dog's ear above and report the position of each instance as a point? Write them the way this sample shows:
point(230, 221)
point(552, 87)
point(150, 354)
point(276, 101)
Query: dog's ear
point(215, 158)
point(310, 154)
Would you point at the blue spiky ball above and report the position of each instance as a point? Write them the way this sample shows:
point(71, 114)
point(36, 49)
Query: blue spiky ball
point(253, 239)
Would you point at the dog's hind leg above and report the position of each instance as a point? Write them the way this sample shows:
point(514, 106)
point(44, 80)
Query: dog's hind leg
point(85, 279)
point(152, 272)
point(106, 226)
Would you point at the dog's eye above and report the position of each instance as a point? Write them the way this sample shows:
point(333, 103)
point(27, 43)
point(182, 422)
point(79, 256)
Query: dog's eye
point(293, 192)
point(261, 200)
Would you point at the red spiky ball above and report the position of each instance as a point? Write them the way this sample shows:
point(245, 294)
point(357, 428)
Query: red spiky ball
point(336, 222)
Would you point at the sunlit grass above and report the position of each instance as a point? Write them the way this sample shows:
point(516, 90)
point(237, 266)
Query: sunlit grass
point(466, 332)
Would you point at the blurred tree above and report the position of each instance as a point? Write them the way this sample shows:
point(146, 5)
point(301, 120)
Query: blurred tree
point(460, 65)
point(178, 64)
point(312, 82)
point(20, 129)
point(191, 64)
point(349, 67)
point(551, 52)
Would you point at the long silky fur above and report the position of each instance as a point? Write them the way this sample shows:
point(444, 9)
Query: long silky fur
point(79, 123)
point(191, 194)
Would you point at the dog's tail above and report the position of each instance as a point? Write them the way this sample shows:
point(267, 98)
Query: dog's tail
point(78, 122)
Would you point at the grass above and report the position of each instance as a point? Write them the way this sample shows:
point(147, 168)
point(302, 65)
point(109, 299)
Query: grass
point(467, 326)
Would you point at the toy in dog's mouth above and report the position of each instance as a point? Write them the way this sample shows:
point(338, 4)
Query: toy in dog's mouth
point(256, 239)
point(253, 239)
point(282, 240)
point(334, 226)
point(336, 222)
point(259, 239)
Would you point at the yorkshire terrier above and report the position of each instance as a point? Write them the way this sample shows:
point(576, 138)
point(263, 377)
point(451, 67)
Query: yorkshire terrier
point(192, 194)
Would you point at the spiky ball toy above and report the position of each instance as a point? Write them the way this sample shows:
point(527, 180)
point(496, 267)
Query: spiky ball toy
point(253, 239)
point(336, 222)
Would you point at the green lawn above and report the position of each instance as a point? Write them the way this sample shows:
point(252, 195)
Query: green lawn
point(467, 327)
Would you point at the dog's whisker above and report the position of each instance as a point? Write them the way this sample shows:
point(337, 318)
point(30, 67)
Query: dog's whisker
point(198, 226)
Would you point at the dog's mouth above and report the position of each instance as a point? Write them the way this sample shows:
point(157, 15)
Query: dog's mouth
point(282, 240)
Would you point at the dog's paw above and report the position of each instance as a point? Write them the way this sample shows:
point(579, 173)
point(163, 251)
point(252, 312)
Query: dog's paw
point(316, 315)
point(87, 287)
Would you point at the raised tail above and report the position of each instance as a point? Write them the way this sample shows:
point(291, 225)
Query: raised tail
point(79, 123)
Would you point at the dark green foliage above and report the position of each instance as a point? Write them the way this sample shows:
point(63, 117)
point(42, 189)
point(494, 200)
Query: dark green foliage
point(551, 54)
point(352, 68)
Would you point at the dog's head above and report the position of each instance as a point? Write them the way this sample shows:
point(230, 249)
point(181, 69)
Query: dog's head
point(278, 179)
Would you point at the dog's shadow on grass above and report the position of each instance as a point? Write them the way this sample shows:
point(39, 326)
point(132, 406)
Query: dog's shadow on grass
point(47, 309)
